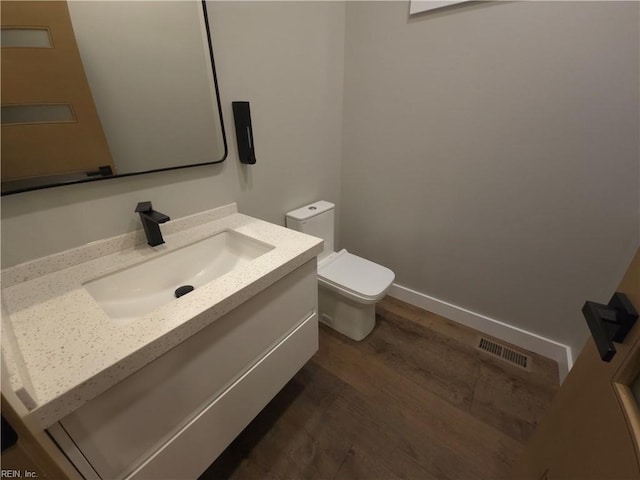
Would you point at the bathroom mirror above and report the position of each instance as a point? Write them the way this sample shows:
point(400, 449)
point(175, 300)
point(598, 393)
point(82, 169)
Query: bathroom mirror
point(139, 96)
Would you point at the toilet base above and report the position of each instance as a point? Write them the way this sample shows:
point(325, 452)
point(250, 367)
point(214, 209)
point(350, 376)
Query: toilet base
point(355, 320)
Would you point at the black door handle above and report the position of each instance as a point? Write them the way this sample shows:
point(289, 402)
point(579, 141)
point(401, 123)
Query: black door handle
point(610, 323)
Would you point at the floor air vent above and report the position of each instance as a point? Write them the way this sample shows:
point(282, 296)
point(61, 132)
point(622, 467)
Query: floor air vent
point(504, 353)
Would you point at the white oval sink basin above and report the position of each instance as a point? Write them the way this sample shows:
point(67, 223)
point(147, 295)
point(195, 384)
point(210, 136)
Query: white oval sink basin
point(132, 292)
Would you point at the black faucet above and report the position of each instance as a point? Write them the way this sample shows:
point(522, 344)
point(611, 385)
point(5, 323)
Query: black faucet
point(151, 221)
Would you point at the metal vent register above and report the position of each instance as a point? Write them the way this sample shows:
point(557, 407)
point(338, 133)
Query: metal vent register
point(504, 353)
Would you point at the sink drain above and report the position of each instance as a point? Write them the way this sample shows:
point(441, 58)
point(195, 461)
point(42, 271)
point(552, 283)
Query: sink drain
point(183, 290)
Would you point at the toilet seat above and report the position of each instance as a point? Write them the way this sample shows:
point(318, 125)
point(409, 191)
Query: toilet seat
point(354, 277)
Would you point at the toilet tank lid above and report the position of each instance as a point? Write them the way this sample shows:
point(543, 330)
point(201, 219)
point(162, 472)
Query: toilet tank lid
point(308, 211)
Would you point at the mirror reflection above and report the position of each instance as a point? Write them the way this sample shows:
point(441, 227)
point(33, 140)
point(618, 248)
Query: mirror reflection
point(97, 89)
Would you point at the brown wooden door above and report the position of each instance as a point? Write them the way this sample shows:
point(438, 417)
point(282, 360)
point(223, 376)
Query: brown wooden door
point(46, 76)
point(592, 429)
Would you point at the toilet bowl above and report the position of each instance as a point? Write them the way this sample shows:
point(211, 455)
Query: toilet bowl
point(349, 286)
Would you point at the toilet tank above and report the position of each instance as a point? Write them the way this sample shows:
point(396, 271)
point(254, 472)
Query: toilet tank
point(315, 219)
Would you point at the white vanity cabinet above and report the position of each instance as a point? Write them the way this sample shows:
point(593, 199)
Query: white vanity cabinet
point(173, 417)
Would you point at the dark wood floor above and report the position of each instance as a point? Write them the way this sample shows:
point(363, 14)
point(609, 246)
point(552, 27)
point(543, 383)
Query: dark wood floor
point(414, 400)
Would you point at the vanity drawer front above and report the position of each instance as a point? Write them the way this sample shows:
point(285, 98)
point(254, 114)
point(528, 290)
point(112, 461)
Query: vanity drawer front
point(194, 448)
point(121, 428)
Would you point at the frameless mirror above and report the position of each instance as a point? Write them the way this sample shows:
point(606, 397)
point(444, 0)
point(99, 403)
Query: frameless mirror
point(101, 89)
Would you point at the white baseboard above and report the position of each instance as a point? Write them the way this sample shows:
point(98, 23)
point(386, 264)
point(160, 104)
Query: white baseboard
point(508, 333)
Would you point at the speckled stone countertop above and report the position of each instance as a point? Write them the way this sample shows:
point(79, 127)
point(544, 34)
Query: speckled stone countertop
point(64, 350)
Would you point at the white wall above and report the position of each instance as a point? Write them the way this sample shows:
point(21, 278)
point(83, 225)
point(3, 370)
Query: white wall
point(491, 154)
point(287, 60)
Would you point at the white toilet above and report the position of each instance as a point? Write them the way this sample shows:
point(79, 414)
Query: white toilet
point(349, 286)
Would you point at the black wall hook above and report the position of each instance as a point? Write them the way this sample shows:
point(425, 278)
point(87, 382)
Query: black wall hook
point(610, 323)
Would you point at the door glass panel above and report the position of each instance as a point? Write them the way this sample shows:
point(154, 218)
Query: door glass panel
point(626, 381)
point(48, 113)
point(635, 389)
point(25, 38)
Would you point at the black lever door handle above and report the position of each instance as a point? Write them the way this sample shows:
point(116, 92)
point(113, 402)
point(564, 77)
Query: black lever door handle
point(610, 323)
